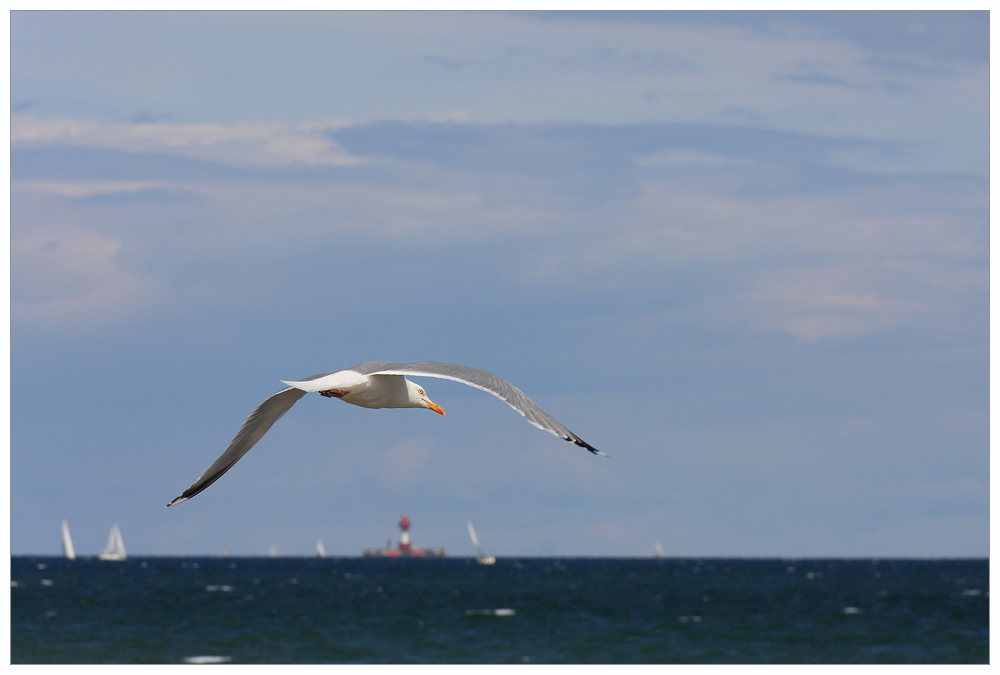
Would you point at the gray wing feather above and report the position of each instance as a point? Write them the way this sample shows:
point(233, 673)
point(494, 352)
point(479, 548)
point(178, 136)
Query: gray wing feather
point(253, 429)
point(480, 379)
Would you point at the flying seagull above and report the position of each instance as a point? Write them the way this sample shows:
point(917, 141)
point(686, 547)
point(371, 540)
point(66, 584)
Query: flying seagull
point(375, 384)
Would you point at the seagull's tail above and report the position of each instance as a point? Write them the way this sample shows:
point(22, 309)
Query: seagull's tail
point(301, 386)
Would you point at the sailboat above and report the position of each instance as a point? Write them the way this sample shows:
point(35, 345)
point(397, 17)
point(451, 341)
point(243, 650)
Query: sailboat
point(273, 553)
point(658, 550)
point(67, 542)
point(320, 551)
point(115, 550)
point(481, 556)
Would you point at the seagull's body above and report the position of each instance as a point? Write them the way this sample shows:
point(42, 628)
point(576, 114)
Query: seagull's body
point(375, 384)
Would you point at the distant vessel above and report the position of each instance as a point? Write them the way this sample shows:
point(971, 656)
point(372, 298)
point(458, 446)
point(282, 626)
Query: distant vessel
point(658, 550)
point(320, 551)
point(404, 550)
point(67, 542)
point(115, 550)
point(273, 553)
point(481, 556)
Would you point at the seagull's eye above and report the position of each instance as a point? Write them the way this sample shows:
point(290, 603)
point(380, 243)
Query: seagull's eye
point(420, 391)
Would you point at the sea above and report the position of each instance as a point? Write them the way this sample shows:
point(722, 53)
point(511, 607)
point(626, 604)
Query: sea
point(175, 610)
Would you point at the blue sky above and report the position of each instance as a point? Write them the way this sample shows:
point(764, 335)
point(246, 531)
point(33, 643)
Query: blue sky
point(744, 253)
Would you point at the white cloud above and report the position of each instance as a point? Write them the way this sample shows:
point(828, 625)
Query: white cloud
point(813, 265)
point(72, 277)
point(404, 460)
point(85, 189)
point(825, 301)
point(855, 297)
point(236, 144)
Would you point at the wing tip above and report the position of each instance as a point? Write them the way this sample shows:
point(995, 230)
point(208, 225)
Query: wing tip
point(587, 446)
point(177, 500)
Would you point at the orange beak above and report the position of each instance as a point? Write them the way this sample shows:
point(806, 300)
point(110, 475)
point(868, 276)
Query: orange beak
point(434, 406)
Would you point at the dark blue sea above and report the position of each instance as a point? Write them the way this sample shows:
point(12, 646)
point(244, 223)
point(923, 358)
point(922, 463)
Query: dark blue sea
point(528, 610)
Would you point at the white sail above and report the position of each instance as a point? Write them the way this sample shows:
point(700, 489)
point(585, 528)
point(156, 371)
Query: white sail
point(481, 556)
point(67, 542)
point(320, 550)
point(115, 549)
point(273, 553)
point(658, 549)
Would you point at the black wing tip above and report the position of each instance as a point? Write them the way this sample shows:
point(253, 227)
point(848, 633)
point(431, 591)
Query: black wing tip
point(587, 446)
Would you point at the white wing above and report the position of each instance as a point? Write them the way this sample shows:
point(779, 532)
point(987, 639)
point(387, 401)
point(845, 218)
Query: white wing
point(342, 379)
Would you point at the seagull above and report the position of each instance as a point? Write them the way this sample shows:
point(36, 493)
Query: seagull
point(375, 384)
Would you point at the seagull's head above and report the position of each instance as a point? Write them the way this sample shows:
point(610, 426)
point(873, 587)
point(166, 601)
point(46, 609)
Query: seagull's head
point(418, 398)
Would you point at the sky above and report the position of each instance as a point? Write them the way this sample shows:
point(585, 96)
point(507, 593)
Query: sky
point(745, 254)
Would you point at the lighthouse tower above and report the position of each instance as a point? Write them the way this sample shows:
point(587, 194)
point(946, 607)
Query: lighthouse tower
point(404, 538)
point(405, 549)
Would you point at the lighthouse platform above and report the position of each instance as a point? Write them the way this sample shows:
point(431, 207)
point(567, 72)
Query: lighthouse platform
point(404, 549)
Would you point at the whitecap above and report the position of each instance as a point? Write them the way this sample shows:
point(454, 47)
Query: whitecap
point(503, 611)
point(852, 610)
point(207, 659)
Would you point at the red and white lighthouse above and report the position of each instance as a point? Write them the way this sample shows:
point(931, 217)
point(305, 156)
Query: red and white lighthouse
point(405, 549)
point(404, 538)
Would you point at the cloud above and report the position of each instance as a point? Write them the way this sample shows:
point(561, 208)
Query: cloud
point(825, 301)
point(753, 225)
point(813, 77)
point(113, 192)
point(72, 277)
point(404, 460)
point(573, 148)
point(953, 36)
point(85, 189)
point(236, 144)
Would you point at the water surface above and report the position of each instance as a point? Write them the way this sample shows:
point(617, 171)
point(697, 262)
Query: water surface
point(529, 610)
